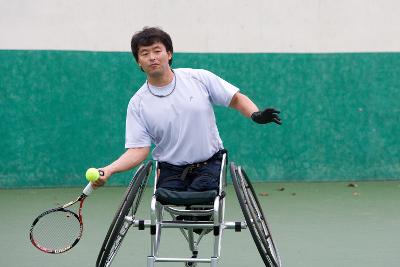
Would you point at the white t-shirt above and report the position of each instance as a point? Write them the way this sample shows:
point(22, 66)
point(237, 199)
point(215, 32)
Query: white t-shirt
point(178, 118)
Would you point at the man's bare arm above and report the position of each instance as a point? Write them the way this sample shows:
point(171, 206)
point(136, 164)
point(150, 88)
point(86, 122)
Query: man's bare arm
point(130, 159)
point(245, 106)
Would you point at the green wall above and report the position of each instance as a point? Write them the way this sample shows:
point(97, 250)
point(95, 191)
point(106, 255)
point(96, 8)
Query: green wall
point(62, 112)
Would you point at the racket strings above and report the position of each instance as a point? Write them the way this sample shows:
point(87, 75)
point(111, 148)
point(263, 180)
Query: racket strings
point(57, 230)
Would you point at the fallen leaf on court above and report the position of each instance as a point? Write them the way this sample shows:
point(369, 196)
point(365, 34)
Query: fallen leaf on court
point(264, 194)
point(281, 189)
point(352, 185)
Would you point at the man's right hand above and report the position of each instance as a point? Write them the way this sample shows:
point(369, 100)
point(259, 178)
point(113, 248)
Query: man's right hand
point(103, 178)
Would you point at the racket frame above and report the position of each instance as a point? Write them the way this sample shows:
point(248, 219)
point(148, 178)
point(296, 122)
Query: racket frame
point(62, 208)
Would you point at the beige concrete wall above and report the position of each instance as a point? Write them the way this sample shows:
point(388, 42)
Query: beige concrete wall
point(204, 25)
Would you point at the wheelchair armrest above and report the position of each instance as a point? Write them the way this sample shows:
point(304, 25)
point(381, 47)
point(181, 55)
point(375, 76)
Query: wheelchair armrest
point(185, 198)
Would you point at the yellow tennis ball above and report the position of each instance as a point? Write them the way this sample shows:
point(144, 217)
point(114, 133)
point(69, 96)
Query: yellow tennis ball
point(92, 174)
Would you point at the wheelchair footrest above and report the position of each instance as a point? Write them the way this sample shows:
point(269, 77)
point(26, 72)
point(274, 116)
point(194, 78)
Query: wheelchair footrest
point(193, 218)
point(182, 260)
point(187, 224)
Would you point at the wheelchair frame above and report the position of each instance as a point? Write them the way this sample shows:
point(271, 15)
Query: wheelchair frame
point(194, 213)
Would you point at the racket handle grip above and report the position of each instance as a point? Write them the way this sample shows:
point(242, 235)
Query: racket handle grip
point(88, 189)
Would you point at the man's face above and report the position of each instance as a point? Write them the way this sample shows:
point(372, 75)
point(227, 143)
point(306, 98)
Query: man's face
point(153, 59)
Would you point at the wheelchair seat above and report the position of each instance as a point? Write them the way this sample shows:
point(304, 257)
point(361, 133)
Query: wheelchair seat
point(185, 198)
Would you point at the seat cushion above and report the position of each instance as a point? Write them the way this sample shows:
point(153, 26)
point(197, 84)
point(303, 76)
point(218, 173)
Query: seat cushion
point(165, 196)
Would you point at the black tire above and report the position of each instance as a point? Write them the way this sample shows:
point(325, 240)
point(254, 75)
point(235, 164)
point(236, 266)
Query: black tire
point(119, 227)
point(254, 216)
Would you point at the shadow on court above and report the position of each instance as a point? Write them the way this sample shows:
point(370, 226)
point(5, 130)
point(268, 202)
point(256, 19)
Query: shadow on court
point(313, 225)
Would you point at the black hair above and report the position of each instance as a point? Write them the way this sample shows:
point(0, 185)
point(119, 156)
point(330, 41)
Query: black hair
point(149, 36)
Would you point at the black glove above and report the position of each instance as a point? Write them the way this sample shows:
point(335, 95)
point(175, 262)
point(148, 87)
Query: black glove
point(266, 116)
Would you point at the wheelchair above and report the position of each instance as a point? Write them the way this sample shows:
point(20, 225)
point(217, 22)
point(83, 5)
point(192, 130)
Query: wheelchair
point(195, 214)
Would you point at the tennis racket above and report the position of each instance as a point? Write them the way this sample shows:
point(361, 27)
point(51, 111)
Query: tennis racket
point(58, 230)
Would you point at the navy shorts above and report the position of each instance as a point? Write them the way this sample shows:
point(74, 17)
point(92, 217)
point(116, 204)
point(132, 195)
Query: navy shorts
point(202, 178)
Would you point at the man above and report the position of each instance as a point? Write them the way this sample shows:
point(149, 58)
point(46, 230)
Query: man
point(173, 110)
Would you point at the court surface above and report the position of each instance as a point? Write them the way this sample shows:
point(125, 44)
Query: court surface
point(313, 224)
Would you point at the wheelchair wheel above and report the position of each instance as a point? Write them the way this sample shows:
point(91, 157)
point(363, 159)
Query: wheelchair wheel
point(119, 227)
point(254, 217)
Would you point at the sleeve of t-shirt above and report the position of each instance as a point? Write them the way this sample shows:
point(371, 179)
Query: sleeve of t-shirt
point(136, 134)
point(220, 91)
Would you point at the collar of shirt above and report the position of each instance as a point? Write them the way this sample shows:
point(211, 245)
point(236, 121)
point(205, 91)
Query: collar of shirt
point(164, 90)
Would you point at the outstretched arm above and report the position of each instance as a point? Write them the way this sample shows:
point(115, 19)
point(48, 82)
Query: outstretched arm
point(130, 159)
point(245, 106)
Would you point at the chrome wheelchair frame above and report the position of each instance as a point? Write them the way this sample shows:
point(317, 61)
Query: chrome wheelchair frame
point(195, 214)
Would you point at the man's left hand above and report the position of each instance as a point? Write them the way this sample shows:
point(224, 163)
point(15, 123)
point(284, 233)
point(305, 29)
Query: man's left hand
point(266, 116)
